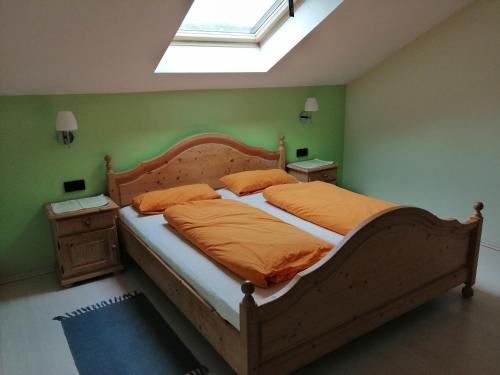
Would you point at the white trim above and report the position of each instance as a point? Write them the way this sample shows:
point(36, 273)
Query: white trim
point(214, 36)
point(491, 245)
point(275, 9)
point(214, 44)
point(280, 14)
point(26, 275)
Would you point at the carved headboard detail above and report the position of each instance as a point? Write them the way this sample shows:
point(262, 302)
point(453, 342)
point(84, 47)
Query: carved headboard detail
point(201, 158)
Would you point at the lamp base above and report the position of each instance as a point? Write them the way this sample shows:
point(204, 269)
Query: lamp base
point(305, 117)
point(65, 137)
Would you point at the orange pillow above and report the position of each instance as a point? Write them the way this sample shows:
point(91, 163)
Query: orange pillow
point(249, 182)
point(155, 202)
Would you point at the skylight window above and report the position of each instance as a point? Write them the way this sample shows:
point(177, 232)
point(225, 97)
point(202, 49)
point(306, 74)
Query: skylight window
point(240, 21)
point(233, 16)
point(233, 36)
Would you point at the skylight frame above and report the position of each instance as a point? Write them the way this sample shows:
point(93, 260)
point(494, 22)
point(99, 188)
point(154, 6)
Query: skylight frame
point(261, 29)
point(227, 57)
point(274, 8)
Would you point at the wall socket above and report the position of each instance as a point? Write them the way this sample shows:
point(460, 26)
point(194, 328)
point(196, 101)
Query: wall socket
point(74, 185)
point(302, 152)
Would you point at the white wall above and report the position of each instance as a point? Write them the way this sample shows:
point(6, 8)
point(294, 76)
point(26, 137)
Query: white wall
point(423, 127)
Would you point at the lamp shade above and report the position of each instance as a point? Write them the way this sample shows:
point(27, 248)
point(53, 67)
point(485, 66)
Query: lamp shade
point(66, 121)
point(311, 105)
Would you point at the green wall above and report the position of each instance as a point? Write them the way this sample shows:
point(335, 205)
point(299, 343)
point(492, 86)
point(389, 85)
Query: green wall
point(423, 127)
point(132, 127)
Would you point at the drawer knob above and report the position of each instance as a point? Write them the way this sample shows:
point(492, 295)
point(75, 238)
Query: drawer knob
point(87, 222)
point(325, 175)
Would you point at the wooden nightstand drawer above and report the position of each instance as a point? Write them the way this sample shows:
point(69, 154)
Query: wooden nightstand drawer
point(88, 252)
point(326, 175)
point(85, 223)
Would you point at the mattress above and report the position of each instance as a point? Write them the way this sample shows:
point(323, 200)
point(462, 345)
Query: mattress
point(217, 285)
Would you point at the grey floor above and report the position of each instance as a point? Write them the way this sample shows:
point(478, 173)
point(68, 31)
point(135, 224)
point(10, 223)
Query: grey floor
point(447, 336)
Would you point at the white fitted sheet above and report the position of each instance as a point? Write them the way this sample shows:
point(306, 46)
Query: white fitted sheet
point(217, 285)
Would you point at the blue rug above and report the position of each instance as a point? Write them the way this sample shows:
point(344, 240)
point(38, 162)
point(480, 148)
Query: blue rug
point(126, 336)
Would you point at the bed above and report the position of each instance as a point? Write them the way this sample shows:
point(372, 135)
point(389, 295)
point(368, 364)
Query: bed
point(388, 265)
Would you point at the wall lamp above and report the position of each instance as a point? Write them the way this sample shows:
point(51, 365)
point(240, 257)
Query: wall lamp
point(310, 106)
point(65, 124)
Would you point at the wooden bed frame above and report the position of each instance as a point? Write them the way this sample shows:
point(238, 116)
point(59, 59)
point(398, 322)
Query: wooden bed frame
point(388, 265)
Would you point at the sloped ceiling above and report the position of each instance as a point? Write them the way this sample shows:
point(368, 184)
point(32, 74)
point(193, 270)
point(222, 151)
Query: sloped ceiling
point(109, 46)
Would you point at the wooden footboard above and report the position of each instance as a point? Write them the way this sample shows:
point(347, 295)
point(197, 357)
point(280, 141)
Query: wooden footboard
point(387, 266)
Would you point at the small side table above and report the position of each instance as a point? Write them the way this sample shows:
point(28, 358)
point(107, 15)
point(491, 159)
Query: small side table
point(326, 173)
point(86, 242)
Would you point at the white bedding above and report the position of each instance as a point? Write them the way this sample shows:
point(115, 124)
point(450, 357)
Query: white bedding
point(218, 286)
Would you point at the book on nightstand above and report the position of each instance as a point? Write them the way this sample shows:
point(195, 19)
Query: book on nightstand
point(79, 204)
point(311, 164)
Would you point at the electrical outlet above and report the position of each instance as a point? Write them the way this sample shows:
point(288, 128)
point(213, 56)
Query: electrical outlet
point(302, 152)
point(74, 185)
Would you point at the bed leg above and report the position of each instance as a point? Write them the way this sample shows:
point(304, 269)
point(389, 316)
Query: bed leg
point(467, 291)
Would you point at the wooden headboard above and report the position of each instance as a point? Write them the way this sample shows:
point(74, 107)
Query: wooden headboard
point(201, 158)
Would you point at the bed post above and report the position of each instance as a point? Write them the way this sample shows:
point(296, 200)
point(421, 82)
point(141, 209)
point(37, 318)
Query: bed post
point(475, 243)
point(282, 159)
point(110, 181)
point(249, 331)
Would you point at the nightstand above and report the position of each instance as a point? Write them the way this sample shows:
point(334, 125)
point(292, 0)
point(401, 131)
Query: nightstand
point(86, 242)
point(326, 173)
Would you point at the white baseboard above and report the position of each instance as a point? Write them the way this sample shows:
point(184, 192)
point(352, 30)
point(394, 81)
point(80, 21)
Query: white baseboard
point(491, 245)
point(26, 275)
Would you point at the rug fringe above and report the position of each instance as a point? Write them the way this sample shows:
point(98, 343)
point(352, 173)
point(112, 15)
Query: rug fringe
point(198, 371)
point(97, 306)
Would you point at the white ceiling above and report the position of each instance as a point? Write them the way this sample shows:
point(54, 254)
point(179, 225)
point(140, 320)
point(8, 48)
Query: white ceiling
point(107, 46)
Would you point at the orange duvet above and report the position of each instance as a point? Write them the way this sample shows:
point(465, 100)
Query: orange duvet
point(325, 204)
point(253, 244)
